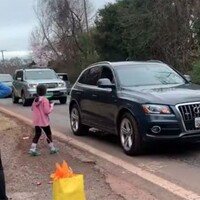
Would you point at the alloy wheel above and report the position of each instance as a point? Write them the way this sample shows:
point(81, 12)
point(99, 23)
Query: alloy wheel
point(126, 134)
point(75, 119)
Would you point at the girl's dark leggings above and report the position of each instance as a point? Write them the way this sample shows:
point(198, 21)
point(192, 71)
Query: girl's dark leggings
point(38, 133)
point(2, 183)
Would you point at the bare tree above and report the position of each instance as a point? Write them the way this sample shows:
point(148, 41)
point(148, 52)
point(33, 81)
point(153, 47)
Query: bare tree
point(176, 42)
point(60, 25)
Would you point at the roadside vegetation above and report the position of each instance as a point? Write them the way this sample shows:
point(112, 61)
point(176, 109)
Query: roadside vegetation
point(70, 36)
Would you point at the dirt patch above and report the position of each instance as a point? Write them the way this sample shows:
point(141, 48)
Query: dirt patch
point(24, 172)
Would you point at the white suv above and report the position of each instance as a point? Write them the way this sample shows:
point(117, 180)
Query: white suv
point(26, 81)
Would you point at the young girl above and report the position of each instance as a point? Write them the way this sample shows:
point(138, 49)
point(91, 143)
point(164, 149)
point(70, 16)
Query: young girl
point(41, 108)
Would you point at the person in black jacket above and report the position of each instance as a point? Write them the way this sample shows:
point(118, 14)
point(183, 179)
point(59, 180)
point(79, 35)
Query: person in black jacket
point(2, 182)
point(5, 91)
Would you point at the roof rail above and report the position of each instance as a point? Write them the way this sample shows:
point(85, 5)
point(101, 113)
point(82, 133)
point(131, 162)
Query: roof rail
point(101, 62)
point(156, 61)
point(35, 67)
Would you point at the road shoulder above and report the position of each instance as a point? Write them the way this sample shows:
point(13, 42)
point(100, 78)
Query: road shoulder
point(153, 191)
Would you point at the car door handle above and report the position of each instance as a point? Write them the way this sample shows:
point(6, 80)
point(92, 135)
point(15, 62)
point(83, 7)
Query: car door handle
point(94, 95)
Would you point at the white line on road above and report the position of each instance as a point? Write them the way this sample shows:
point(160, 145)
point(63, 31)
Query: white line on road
point(167, 185)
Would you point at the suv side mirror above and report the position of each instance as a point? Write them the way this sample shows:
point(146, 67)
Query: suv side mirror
point(188, 78)
point(105, 83)
point(19, 78)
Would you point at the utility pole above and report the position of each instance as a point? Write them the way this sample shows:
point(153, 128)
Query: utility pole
point(86, 16)
point(2, 53)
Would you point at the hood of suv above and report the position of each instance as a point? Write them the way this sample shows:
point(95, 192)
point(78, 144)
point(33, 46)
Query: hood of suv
point(170, 95)
point(45, 81)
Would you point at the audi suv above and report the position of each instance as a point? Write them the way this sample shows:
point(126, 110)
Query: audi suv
point(140, 102)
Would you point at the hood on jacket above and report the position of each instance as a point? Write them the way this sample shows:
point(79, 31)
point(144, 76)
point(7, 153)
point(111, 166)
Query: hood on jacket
point(38, 100)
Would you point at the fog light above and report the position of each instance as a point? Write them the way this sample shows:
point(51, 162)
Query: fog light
point(156, 129)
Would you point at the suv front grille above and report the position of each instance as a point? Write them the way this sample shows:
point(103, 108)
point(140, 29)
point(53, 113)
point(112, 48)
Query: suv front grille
point(51, 85)
point(189, 112)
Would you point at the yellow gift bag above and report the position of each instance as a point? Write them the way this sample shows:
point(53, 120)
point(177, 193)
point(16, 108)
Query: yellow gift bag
point(66, 184)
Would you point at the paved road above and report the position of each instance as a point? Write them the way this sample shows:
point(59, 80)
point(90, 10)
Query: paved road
point(179, 164)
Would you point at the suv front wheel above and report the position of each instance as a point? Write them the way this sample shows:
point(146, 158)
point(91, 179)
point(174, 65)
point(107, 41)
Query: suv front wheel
point(25, 102)
point(14, 98)
point(75, 120)
point(130, 137)
point(63, 100)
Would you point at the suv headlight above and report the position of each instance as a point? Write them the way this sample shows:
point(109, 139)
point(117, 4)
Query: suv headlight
point(32, 85)
point(156, 109)
point(61, 84)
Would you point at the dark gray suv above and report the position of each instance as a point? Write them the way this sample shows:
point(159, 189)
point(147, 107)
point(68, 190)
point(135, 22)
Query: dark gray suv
point(138, 101)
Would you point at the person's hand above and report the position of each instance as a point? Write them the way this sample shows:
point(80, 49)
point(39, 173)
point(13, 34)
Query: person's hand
point(52, 104)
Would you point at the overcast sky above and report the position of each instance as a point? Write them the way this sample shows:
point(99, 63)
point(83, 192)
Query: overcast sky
point(17, 20)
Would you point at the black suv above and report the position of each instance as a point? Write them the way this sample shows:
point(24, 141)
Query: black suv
point(139, 101)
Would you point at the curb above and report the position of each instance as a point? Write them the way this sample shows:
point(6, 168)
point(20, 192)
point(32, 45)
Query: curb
point(165, 184)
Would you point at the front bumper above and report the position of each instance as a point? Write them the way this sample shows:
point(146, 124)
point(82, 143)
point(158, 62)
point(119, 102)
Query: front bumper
point(171, 128)
point(192, 136)
point(53, 94)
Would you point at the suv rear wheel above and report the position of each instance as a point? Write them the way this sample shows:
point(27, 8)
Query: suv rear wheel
point(63, 100)
point(14, 98)
point(130, 137)
point(75, 120)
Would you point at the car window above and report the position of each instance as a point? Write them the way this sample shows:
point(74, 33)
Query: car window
point(148, 74)
point(107, 73)
point(91, 76)
point(94, 75)
point(63, 77)
point(84, 77)
point(19, 74)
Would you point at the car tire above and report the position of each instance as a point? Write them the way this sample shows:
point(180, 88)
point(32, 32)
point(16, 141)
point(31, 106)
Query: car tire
point(77, 127)
point(63, 100)
point(25, 102)
point(130, 137)
point(14, 98)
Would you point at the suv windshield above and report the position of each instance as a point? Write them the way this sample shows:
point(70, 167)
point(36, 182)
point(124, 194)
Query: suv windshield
point(40, 75)
point(148, 74)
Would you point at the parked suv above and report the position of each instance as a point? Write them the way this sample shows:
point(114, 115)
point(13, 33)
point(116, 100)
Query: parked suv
point(26, 81)
point(64, 77)
point(138, 101)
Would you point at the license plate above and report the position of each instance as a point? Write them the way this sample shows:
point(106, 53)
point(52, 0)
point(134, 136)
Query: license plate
point(49, 94)
point(197, 122)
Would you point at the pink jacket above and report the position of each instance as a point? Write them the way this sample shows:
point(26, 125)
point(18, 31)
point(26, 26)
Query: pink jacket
point(41, 108)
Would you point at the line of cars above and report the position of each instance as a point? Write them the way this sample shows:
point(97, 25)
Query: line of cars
point(140, 102)
point(25, 81)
